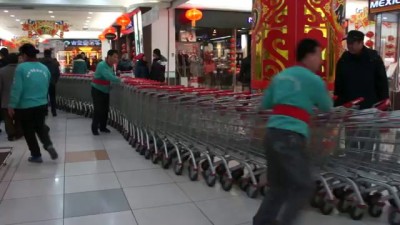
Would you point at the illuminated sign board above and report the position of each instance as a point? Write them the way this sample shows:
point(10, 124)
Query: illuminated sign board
point(377, 6)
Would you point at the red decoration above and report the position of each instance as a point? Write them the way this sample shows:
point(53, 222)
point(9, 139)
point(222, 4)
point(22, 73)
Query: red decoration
point(369, 44)
point(390, 46)
point(370, 34)
point(278, 27)
point(391, 38)
point(194, 15)
point(123, 21)
point(102, 37)
point(110, 30)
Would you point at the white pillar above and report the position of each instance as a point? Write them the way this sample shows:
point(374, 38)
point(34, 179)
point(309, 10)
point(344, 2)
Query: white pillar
point(105, 46)
point(163, 38)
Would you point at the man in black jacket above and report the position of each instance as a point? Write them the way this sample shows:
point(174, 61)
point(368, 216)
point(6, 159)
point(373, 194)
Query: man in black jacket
point(360, 72)
point(54, 67)
point(157, 72)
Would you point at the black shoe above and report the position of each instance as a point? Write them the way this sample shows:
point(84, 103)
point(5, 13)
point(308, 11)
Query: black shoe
point(35, 159)
point(52, 152)
point(54, 114)
point(95, 132)
point(11, 138)
point(105, 130)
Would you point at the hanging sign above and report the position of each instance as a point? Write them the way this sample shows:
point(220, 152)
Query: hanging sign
point(377, 6)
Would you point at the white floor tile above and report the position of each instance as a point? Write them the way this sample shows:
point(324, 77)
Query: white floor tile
point(119, 218)
point(28, 171)
point(32, 188)
point(123, 154)
point(23, 210)
point(92, 167)
point(185, 214)
point(92, 182)
point(156, 195)
point(48, 222)
point(138, 163)
point(143, 178)
point(228, 211)
point(116, 144)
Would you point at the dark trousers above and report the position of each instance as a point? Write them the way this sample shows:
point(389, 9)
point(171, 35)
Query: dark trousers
point(101, 103)
point(13, 126)
point(289, 178)
point(33, 123)
point(52, 98)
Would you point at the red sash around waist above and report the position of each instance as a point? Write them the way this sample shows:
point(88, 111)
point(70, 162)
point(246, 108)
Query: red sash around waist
point(101, 82)
point(292, 111)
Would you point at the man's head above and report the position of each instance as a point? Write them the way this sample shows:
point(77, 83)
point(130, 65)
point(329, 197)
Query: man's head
point(28, 51)
point(355, 42)
point(156, 53)
point(47, 53)
point(3, 53)
point(83, 55)
point(12, 58)
point(112, 57)
point(309, 53)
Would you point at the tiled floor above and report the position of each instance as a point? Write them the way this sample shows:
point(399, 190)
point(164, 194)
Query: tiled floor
point(103, 181)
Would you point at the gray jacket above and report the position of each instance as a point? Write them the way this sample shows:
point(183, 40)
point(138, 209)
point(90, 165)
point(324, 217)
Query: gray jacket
point(6, 80)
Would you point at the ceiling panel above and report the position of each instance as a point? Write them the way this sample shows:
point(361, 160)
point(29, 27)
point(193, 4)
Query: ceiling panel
point(230, 5)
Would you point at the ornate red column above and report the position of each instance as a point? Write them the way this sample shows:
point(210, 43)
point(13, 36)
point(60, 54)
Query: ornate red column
point(280, 24)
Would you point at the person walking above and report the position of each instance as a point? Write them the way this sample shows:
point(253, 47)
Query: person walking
point(101, 82)
point(292, 96)
point(79, 65)
point(3, 57)
point(28, 102)
point(12, 126)
point(54, 67)
point(245, 73)
point(141, 69)
point(360, 72)
point(157, 72)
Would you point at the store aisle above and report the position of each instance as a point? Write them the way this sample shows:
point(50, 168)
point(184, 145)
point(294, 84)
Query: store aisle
point(103, 181)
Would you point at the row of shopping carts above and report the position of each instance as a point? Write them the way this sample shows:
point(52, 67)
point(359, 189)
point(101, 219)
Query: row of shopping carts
point(219, 135)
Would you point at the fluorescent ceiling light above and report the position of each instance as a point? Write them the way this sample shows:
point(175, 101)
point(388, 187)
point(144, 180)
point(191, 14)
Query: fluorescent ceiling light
point(52, 16)
point(89, 17)
point(90, 13)
point(50, 12)
point(17, 20)
point(12, 15)
point(6, 11)
point(234, 5)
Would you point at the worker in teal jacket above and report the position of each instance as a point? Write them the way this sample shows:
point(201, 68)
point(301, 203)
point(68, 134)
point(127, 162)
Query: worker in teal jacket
point(28, 102)
point(101, 84)
point(292, 95)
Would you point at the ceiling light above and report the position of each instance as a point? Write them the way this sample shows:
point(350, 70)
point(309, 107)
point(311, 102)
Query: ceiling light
point(50, 12)
point(385, 18)
point(17, 20)
point(52, 16)
point(90, 13)
point(89, 17)
point(6, 11)
point(12, 16)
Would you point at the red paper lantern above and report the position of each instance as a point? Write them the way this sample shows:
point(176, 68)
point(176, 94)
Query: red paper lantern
point(233, 40)
point(194, 15)
point(123, 21)
point(102, 37)
point(369, 44)
point(370, 34)
point(391, 38)
point(109, 33)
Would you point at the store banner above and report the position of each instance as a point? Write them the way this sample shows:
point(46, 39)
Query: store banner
point(82, 43)
point(378, 6)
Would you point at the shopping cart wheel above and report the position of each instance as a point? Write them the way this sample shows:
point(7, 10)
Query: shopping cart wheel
point(252, 191)
point(317, 200)
point(178, 168)
point(376, 210)
point(210, 178)
point(193, 173)
point(394, 217)
point(237, 174)
point(226, 182)
point(148, 153)
point(166, 161)
point(343, 205)
point(155, 158)
point(220, 170)
point(244, 183)
point(327, 207)
point(357, 212)
point(142, 149)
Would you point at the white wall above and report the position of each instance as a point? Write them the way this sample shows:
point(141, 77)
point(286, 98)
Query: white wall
point(105, 46)
point(161, 40)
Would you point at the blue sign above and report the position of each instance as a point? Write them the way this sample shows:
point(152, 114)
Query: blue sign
point(82, 43)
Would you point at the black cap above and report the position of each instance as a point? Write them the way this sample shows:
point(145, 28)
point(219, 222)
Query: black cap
point(354, 36)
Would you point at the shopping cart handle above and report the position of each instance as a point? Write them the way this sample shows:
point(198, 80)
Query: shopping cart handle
point(230, 93)
point(354, 102)
point(383, 105)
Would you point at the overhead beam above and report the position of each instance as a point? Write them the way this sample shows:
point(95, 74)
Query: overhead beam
point(177, 3)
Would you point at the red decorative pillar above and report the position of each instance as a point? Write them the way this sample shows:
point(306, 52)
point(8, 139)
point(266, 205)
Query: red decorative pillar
point(280, 24)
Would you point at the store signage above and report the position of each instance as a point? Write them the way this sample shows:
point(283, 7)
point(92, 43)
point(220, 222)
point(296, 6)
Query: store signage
point(377, 6)
point(81, 43)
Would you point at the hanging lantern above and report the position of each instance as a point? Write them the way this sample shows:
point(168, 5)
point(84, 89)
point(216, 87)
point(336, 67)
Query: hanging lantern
point(109, 33)
point(194, 15)
point(102, 37)
point(123, 21)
